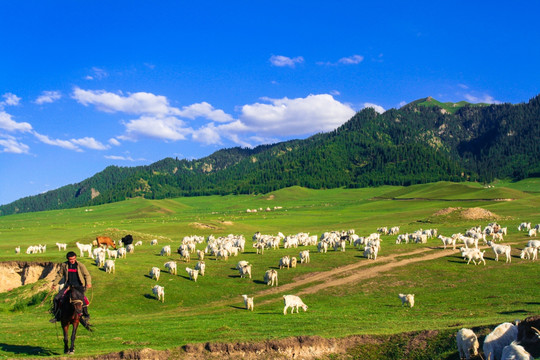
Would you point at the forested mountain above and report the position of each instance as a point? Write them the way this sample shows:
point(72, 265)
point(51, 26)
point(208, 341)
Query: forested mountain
point(424, 141)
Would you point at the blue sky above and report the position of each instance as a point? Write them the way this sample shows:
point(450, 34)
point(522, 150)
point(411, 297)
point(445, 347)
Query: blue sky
point(88, 84)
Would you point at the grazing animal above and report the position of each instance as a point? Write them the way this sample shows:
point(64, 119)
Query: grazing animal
point(293, 262)
point(466, 342)
point(201, 266)
point(153, 242)
point(105, 241)
point(407, 299)
point(110, 266)
point(71, 309)
point(529, 252)
point(128, 240)
point(122, 253)
point(501, 249)
point(18, 250)
point(113, 254)
point(171, 266)
point(271, 277)
point(514, 351)
point(495, 341)
point(248, 302)
point(154, 273)
point(159, 292)
point(293, 302)
point(61, 246)
point(166, 250)
point(193, 274)
point(130, 248)
point(245, 270)
point(138, 243)
point(304, 257)
point(285, 262)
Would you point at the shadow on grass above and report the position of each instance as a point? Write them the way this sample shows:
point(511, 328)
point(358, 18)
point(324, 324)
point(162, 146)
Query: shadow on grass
point(513, 312)
point(151, 297)
point(238, 307)
point(26, 350)
point(259, 282)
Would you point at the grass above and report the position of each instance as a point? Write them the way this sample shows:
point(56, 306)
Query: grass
point(449, 294)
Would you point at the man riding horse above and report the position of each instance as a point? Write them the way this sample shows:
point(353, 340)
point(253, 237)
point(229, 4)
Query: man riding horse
point(74, 274)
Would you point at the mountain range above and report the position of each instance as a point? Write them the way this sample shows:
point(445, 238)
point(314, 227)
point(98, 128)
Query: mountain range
point(423, 141)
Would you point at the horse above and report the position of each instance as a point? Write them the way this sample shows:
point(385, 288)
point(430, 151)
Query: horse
point(70, 314)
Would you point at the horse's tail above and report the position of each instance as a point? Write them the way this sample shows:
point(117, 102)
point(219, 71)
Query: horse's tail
point(86, 325)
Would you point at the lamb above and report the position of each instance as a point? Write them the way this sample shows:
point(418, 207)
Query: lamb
point(448, 241)
point(304, 256)
point(154, 273)
point(501, 336)
point(109, 266)
point(293, 301)
point(201, 266)
point(61, 246)
point(166, 250)
point(466, 342)
point(501, 249)
point(171, 266)
point(193, 274)
point(245, 270)
point(407, 299)
point(159, 291)
point(248, 302)
point(271, 277)
point(514, 351)
point(285, 262)
point(529, 252)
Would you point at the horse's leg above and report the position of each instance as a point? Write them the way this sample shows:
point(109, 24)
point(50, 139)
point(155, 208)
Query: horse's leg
point(73, 334)
point(65, 328)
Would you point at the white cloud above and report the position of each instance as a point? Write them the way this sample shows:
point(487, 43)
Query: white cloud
point(165, 128)
point(208, 134)
point(205, 110)
point(351, 60)
point(402, 103)
point(48, 97)
point(10, 99)
point(291, 117)
point(122, 158)
point(73, 144)
point(97, 73)
point(89, 143)
point(463, 86)
point(11, 145)
point(481, 99)
point(114, 142)
point(282, 61)
point(377, 108)
point(6, 123)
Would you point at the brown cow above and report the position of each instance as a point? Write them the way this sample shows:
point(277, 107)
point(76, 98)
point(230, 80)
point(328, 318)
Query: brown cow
point(104, 240)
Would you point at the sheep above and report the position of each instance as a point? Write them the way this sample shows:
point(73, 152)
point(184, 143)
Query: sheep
point(532, 232)
point(293, 262)
point(130, 248)
point(193, 274)
point(154, 273)
point(271, 277)
point(473, 254)
point(501, 249)
point(407, 299)
point(61, 246)
point(201, 266)
point(153, 242)
point(514, 351)
point(524, 226)
point(466, 342)
point(322, 247)
point(293, 301)
point(166, 250)
point(18, 250)
point(448, 241)
point(122, 253)
point(304, 257)
point(245, 270)
point(248, 302)
point(138, 243)
point(222, 254)
point(529, 252)
point(200, 254)
point(533, 243)
point(159, 292)
point(285, 262)
point(109, 266)
point(501, 336)
point(241, 264)
point(171, 266)
point(371, 252)
point(112, 254)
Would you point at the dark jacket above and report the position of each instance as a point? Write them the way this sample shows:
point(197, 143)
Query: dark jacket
point(82, 272)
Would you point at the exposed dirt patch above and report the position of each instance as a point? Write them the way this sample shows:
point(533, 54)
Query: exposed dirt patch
point(228, 223)
point(203, 226)
point(18, 273)
point(446, 211)
point(469, 214)
point(271, 197)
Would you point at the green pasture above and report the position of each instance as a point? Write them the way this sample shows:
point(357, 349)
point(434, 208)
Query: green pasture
point(449, 294)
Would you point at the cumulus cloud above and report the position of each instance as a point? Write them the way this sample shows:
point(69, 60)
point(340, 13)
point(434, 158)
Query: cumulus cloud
point(205, 110)
point(284, 61)
point(351, 60)
point(73, 144)
point(48, 97)
point(481, 99)
point(114, 142)
point(377, 108)
point(8, 124)
point(89, 143)
point(9, 144)
point(165, 128)
point(10, 99)
point(300, 116)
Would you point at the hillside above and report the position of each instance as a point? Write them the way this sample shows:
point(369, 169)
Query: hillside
point(424, 141)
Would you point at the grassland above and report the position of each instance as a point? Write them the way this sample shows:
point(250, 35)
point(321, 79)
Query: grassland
point(449, 294)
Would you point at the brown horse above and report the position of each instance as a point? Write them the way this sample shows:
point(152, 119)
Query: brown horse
point(70, 314)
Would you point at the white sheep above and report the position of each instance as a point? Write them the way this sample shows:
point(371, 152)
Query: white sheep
point(285, 262)
point(18, 250)
point(61, 246)
point(466, 342)
point(501, 249)
point(304, 257)
point(138, 243)
point(473, 254)
point(271, 277)
point(159, 292)
point(248, 302)
point(514, 351)
point(448, 241)
point(495, 341)
point(122, 253)
point(153, 242)
point(371, 252)
point(110, 266)
point(166, 250)
point(532, 232)
point(201, 266)
point(130, 248)
point(529, 252)
point(193, 274)
point(407, 299)
point(293, 301)
point(245, 270)
point(154, 273)
point(172, 267)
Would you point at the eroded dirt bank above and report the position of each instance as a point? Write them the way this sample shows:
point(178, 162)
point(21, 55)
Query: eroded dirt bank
point(17, 273)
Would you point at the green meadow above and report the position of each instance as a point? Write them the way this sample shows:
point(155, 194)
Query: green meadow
point(449, 293)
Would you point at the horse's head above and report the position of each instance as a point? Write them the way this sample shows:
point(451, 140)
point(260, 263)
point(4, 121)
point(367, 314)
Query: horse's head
point(76, 298)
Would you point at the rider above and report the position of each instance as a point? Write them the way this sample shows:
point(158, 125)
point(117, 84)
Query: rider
point(74, 273)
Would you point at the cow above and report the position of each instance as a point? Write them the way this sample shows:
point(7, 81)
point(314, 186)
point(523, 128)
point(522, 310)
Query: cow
point(104, 240)
point(127, 240)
